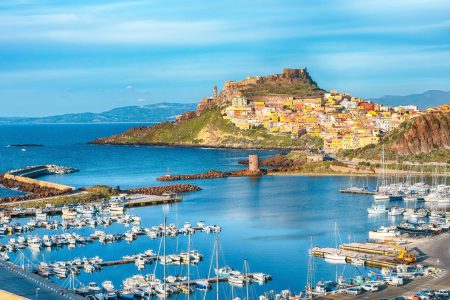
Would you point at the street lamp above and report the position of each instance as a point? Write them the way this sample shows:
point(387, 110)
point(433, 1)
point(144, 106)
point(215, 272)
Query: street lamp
point(37, 290)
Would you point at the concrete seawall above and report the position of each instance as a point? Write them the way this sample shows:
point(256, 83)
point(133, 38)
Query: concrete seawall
point(40, 183)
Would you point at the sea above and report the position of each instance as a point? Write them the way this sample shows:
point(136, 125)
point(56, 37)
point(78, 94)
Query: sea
point(269, 221)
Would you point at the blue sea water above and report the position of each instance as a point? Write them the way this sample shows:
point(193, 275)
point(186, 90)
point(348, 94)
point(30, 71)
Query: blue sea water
point(269, 221)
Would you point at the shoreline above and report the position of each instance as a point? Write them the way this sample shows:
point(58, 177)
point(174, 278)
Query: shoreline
point(198, 146)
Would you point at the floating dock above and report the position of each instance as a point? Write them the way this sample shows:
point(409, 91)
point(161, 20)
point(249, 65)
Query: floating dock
point(360, 192)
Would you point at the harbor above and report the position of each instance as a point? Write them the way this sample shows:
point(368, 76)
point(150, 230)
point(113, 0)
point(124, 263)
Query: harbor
point(80, 233)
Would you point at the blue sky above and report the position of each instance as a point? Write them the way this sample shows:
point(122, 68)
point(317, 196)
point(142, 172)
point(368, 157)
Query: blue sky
point(74, 56)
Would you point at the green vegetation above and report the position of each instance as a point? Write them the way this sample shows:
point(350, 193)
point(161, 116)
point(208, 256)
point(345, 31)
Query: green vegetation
point(92, 194)
point(412, 135)
point(211, 129)
point(319, 168)
point(267, 89)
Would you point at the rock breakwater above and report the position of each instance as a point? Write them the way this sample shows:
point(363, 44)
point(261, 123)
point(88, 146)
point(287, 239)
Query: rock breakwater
point(211, 174)
point(160, 190)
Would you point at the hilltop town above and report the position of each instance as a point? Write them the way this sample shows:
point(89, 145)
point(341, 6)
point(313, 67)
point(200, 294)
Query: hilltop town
point(286, 110)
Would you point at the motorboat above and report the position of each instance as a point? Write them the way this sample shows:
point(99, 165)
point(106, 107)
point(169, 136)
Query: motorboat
point(384, 233)
point(377, 209)
point(396, 211)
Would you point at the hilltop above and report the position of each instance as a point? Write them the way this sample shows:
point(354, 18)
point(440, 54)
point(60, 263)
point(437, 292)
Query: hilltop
point(207, 126)
point(289, 111)
point(151, 113)
point(423, 138)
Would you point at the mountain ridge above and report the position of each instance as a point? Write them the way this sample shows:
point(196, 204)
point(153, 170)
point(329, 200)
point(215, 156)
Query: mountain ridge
point(426, 99)
point(150, 113)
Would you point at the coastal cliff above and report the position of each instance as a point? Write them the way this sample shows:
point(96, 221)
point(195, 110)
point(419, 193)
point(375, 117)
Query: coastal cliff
point(423, 138)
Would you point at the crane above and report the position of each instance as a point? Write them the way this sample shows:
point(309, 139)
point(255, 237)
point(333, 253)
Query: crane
point(403, 254)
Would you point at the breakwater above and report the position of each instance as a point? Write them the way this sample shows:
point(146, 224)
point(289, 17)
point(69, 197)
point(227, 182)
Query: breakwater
point(33, 188)
point(161, 190)
point(212, 174)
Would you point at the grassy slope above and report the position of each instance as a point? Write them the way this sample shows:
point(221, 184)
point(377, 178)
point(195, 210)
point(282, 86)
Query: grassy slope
point(209, 129)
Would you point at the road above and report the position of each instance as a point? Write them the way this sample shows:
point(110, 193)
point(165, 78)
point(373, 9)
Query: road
point(25, 284)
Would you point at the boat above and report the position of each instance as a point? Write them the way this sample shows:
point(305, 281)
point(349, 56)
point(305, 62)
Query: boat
point(377, 209)
point(93, 287)
point(384, 233)
point(125, 294)
point(396, 211)
point(261, 277)
point(381, 197)
point(202, 284)
point(88, 268)
point(236, 280)
point(226, 271)
point(335, 257)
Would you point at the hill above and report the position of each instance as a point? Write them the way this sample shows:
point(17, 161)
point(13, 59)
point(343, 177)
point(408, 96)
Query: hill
point(423, 138)
point(152, 113)
point(208, 129)
point(424, 100)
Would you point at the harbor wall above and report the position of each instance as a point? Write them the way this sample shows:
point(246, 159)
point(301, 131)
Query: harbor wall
point(41, 183)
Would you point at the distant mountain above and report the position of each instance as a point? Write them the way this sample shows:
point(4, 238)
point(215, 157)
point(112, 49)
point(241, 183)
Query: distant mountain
point(424, 100)
point(158, 112)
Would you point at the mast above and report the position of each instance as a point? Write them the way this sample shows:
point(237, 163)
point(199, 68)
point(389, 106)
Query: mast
point(310, 276)
point(164, 253)
point(189, 266)
point(165, 211)
point(246, 278)
point(217, 266)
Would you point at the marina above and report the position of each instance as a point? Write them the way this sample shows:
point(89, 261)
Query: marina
point(253, 225)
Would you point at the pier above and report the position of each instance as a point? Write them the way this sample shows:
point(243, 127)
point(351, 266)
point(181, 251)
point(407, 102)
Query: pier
point(138, 200)
point(370, 260)
point(355, 191)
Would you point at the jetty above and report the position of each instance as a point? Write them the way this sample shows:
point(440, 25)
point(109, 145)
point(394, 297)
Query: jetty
point(356, 191)
point(357, 254)
point(148, 200)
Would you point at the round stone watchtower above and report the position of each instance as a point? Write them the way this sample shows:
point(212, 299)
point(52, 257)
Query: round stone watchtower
point(253, 163)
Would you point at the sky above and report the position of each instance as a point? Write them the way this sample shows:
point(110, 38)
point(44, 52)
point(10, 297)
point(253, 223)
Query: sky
point(84, 55)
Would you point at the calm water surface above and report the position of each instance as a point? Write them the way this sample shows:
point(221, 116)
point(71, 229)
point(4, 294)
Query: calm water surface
point(268, 220)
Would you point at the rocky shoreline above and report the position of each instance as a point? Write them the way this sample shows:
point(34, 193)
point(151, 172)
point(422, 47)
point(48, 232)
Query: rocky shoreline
point(212, 174)
point(185, 145)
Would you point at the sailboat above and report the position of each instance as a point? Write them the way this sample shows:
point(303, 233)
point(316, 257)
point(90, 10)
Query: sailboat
point(335, 257)
point(382, 196)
